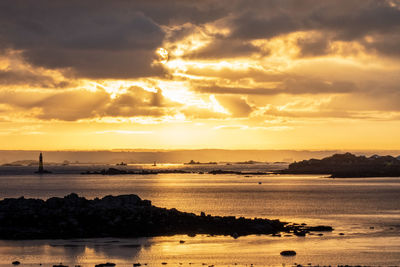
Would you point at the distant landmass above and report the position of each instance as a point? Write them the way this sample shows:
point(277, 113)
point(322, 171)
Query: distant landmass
point(174, 156)
point(348, 165)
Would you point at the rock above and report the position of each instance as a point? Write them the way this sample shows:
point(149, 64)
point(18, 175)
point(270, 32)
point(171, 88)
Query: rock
point(16, 263)
point(164, 263)
point(341, 233)
point(288, 253)
point(122, 216)
point(181, 241)
point(107, 264)
point(137, 264)
point(320, 228)
point(348, 165)
point(300, 233)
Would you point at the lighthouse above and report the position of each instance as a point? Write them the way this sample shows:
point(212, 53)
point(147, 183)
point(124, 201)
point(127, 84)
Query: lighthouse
point(40, 170)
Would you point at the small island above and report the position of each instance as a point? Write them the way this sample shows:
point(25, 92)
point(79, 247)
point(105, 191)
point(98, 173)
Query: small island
point(348, 165)
point(123, 216)
point(192, 162)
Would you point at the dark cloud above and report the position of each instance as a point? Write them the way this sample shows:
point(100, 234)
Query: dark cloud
point(97, 38)
point(310, 47)
point(118, 39)
point(224, 48)
point(92, 41)
point(17, 77)
point(339, 20)
point(349, 19)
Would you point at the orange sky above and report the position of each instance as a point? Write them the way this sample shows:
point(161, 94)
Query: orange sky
point(200, 74)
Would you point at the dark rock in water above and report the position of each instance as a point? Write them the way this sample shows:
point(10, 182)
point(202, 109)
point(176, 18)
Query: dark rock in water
point(288, 253)
point(181, 241)
point(164, 263)
point(107, 264)
point(300, 233)
point(320, 228)
point(16, 263)
point(341, 233)
point(120, 216)
point(137, 264)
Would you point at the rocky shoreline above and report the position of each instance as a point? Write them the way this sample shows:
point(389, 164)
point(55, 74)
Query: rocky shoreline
point(123, 216)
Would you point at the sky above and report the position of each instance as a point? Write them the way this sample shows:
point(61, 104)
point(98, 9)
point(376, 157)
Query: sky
point(174, 74)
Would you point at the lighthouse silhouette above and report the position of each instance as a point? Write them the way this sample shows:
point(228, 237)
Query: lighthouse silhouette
point(41, 170)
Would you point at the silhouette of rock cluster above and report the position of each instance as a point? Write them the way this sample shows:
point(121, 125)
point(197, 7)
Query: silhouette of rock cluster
point(348, 165)
point(117, 216)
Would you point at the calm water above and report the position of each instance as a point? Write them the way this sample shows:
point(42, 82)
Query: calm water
point(366, 210)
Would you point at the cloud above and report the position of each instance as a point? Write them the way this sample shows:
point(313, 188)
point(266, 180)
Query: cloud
point(313, 46)
point(13, 77)
point(118, 39)
point(332, 21)
point(290, 86)
point(237, 106)
point(237, 50)
point(91, 39)
point(224, 48)
point(77, 104)
point(97, 38)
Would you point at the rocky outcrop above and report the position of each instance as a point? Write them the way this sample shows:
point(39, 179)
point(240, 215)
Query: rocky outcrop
point(288, 253)
point(118, 216)
point(348, 165)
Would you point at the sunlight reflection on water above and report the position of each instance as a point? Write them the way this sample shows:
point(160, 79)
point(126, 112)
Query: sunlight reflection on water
point(351, 206)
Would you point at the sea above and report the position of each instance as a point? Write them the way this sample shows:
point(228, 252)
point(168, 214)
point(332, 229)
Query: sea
point(364, 212)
